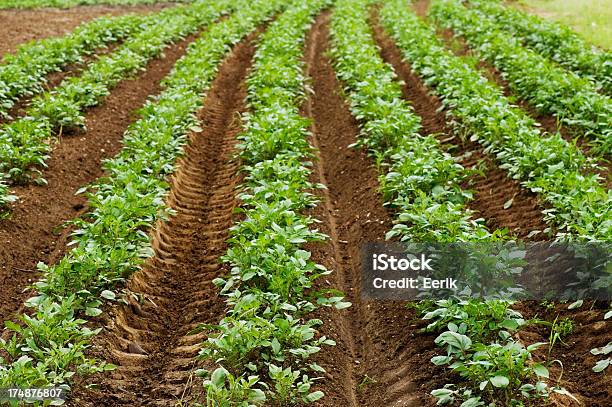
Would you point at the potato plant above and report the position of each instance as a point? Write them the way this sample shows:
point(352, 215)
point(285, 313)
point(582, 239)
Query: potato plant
point(108, 249)
point(549, 89)
point(24, 73)
point(25, 143)
point(26, 4)
point(580, 207)
point(5, 198)
point(422, 182)
point(552, 40)
point(422, 185)
point(267, 338)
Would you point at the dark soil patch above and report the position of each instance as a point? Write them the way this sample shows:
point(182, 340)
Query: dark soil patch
point(381, 359)
point(21, 26)
point(491, 190)
point(33, 233)
point(151, 341)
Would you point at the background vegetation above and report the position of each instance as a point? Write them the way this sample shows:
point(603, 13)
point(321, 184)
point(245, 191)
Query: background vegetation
point(591, 18)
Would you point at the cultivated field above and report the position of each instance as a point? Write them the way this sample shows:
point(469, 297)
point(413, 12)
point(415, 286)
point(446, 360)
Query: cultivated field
point(186, 190)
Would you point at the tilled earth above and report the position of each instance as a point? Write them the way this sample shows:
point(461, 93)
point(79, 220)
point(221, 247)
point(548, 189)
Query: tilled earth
point(382, 357)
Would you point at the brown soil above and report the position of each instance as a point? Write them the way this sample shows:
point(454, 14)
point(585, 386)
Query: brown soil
point(151, 341)
point(491, 190)
point(590, 331)
point(380, 358)
point(33, 233)
point(21, 26)
point(421, 7)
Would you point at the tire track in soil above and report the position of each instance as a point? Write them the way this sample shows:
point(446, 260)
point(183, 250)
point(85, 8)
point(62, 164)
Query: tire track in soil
point(492, 189)
point(151, 341)
point(33, 232)
point(380, 358)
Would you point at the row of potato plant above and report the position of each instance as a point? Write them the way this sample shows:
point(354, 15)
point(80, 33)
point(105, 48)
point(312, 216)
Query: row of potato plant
point(580, 207)
point(422, 185)
point(264, 343)
point(550, 89)
point(24, 73)
point(422, 181)
point(25, 143)
point(552, 40)
point(26, 4)
point(111, 242)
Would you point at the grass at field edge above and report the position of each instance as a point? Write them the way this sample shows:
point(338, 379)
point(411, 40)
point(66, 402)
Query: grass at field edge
point(590, 18)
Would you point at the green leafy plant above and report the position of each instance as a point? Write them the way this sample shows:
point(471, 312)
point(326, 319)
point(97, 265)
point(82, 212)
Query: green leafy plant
point(25, 141)
point(266, 335)
point(23, 73)
point(548, 88)
point(422, 181)
point(27, 4)
point(107, 249)
point(580, 208)
point(225, 390)
point(552, 40)
point(603, 364)
point(5, 197)
point(559, 330)
point(422, 185)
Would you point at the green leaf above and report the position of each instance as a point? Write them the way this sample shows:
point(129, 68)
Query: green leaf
point(499, 381)
point(33, 302)
point(109, 295)
point(256, 396)
point(536, 345)
point(541, 370)
point(576, 304)
point(509, 324)
point(602, 365)
point(455, 339)
point(604, 350)
point(472, 402)
point(315, 367)
point(440, 360)
point(276, 346)
point(92, 311)
point(314, 396)
point(218, 377)
point(12, 326)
